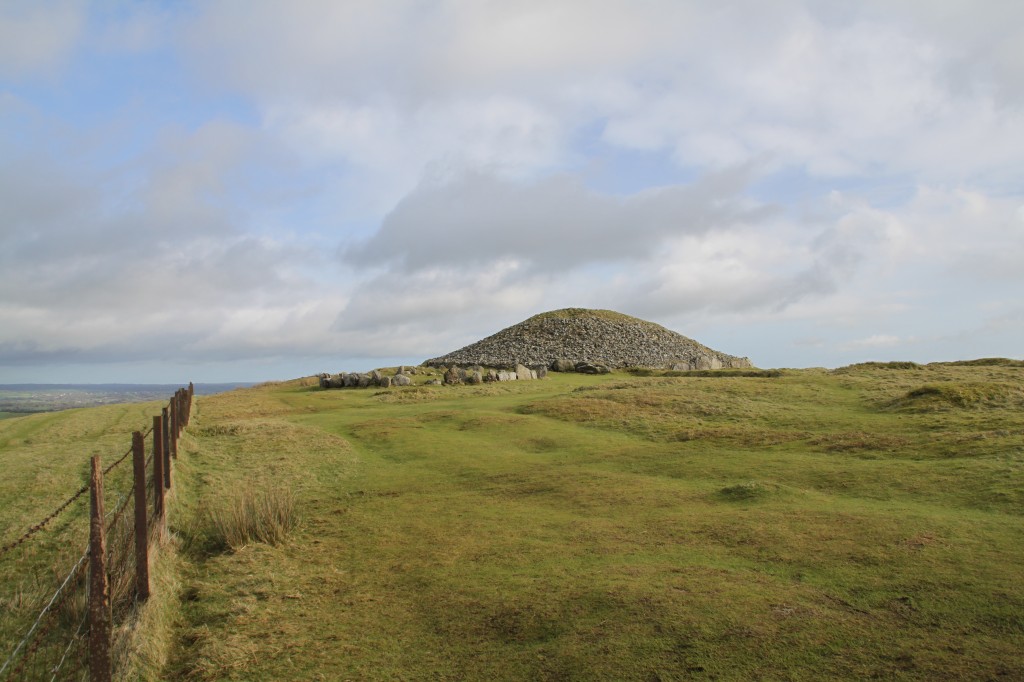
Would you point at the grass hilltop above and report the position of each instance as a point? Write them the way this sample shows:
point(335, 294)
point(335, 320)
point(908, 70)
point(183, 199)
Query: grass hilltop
point(862, 523)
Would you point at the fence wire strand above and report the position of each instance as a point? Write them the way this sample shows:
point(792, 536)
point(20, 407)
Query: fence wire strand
point(39, 526)
point(46, 609)
point(74, 639)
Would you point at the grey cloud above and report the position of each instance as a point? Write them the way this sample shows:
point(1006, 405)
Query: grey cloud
point(93, 274)
point(552, 225)
point(37, 37)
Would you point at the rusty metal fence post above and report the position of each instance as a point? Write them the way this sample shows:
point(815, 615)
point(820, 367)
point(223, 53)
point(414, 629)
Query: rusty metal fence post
point(158, 467)
point(141, 529)
point(174, 429)
point(99, 586)
point(166, 439)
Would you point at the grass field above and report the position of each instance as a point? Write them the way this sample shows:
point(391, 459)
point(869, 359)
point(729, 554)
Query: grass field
point(862, 523)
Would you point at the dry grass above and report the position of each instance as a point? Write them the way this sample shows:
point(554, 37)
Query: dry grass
point(255, 515)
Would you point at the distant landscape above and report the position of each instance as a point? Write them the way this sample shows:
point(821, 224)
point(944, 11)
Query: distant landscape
point(20, 399)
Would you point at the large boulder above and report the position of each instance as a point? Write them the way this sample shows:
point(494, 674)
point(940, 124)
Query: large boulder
point(591, 368)
point(474, 378)
point(452, 376)
point(523, 372)
point(385, 382)
point(563, 365)
point(401, 380)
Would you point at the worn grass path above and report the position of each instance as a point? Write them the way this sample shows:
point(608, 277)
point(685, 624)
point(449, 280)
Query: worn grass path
point(809, 526)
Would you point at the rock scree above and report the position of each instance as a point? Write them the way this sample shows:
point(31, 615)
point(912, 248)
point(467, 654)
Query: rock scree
point(563, 339)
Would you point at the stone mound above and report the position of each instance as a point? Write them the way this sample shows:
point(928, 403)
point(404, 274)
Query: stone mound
point(578, 335)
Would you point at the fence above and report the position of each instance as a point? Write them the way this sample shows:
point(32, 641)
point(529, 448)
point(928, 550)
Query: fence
point(84, 627)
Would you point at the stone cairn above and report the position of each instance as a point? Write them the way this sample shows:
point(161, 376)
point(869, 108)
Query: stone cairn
point(584, 340)
point(568, 340)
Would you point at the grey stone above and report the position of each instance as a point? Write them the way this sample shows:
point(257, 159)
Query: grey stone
point(523, 373)
point(451, 377)
point(385, 382)
point(563, 365)
point(401, 380)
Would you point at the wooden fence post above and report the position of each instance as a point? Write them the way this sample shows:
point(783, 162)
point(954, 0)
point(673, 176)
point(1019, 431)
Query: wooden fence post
point(158, 467)
point(141, 530)
point(99, 587)
point(166, 434)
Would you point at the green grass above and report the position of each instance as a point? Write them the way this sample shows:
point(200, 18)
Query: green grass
point(805, 525)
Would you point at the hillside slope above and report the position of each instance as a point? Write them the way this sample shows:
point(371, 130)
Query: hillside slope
point(594, 336)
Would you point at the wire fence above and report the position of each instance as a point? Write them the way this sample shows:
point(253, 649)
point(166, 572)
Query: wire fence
point(66, 625)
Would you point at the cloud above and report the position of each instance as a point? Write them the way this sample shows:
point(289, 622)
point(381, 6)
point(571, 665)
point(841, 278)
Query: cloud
point(384, 178)
point(875, 341)
point(163, 266)
point(836, 92)
point(36, 38)
point(552, 225)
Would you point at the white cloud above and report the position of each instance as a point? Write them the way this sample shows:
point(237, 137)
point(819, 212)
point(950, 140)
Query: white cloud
point(875, 341)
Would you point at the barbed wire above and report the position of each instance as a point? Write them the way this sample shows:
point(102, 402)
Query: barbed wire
point(117, 463)
point(67, 503)
point(39, 526)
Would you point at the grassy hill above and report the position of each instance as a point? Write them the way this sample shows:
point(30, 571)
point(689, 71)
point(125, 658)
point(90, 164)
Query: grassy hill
point(861, 523)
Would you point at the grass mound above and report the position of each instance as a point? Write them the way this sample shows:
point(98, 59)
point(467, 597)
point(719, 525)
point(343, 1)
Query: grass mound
point(747, 492)
point(899, 365)
point(983, 362)
point(961, 395)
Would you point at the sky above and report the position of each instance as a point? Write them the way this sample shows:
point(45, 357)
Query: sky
point(241, 190)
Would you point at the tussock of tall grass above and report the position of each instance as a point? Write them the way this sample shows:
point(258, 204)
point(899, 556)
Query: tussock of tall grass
point(255, 515)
